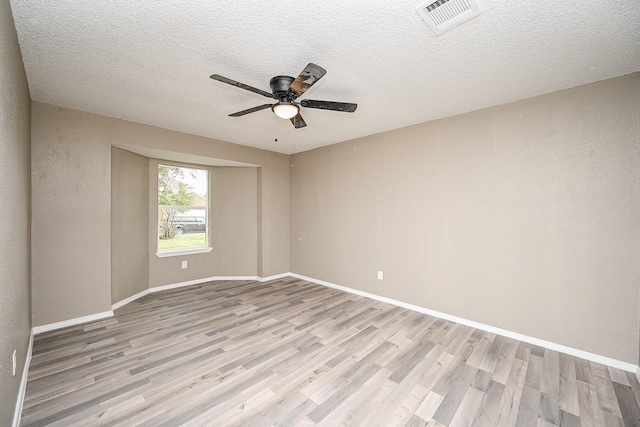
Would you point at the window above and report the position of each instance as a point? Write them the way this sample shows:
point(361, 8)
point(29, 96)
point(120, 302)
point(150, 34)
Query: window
point(183, 210)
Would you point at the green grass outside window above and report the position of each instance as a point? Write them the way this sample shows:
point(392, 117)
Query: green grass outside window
point(186, 241)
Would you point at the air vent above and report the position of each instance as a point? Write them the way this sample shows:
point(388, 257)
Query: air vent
point(442, 15)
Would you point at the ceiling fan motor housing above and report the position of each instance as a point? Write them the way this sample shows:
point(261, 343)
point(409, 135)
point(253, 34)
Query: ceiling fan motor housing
point(280, 87)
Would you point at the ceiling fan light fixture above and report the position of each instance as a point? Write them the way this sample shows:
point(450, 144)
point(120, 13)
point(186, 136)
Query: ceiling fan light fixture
point(286, 90)
point(285, 109)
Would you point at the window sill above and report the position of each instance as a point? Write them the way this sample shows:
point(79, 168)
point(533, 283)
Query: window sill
point(180, 252)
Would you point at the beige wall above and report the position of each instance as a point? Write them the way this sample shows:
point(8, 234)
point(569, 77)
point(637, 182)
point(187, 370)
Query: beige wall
point(234, 214)
point(523, 216)
point(129, 224)
point(15, 211)
point(71, 229)
point(72, 208)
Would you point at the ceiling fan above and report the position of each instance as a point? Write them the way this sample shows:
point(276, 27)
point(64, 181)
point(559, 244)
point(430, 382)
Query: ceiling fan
point(286, 89)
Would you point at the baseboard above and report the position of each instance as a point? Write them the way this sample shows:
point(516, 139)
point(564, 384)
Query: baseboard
point(132, 298)
point(192, 283)
point(199, 282)
point(23, 383)
point(625, 366)
point(275, 277)
point(71, 322)
point(638, 373)
point(119, 304)
point(98, 316)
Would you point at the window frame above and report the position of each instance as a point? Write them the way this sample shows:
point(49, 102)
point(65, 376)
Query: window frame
point(207, 209)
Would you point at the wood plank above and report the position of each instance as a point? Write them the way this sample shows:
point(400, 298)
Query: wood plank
point(604, 388)
point(457, 387)
point(550, 381)
point(590, 413)
point(528, 410)
point(568, 400)
point(489, 411)
point(618, 376)
point(549, 409)
point(534, 372)
point(569, 420)
point(510, 401)
point(429, 406)
point(468, 408)
point(405, 411)
point(628, 406)
point(380, 388)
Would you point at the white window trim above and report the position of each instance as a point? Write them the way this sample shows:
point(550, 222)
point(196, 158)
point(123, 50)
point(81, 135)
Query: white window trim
point(180, 252)
point(188, 251)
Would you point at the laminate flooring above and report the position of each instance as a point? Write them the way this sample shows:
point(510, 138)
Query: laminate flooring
point(289, 352)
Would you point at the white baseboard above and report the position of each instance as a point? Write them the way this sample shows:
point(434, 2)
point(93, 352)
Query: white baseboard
point(638, 373)
point(275, 277)
point(79, 320)
point(625, 366)
point(180, 284)
point(23, 383)
point(71, 322)
point(129, 299)
point(192, 283)
point(200, 281)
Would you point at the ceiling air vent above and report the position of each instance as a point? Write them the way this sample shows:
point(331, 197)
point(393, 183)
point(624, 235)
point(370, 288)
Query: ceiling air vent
point(442, 15)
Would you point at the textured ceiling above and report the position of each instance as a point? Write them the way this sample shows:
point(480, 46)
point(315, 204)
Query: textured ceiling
point(149, 61)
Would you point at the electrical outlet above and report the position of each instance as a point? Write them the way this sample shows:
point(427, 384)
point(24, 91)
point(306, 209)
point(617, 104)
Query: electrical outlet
point(15, 362)
point(380, 275)
point(184, 264)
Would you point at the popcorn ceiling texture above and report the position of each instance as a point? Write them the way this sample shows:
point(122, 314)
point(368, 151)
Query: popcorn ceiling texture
point(149, 61)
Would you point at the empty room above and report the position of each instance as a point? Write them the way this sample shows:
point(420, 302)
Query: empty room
point(335, 214)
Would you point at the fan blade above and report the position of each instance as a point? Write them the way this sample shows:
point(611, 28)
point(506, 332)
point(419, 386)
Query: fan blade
point(250, 110)
point(329, 105)
point(311, 74)
point(298, 121)
point(241, 85)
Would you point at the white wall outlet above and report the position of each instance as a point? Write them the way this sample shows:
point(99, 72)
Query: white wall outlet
point(380, 275)
point(15, 362)
point(184, 264)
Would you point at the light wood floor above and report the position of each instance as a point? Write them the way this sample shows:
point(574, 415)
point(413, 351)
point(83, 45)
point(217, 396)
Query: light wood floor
point(289, 352)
